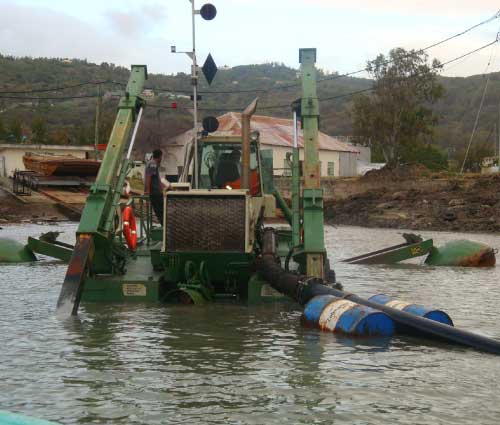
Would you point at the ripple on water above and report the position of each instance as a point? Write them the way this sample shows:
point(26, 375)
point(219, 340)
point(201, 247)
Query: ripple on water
point(219, 364)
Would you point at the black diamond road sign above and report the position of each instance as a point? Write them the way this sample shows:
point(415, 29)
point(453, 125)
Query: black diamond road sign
point(209, 69)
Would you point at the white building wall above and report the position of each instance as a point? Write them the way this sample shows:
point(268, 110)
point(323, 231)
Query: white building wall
point(348, 164)
point(279, 156)
point(13, 154)
point(173, 157)
point(344, 163)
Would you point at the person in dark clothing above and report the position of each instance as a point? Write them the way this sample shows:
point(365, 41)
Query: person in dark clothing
point(153, 185)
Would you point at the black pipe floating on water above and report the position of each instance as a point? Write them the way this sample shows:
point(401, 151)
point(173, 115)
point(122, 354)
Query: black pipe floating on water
point(302, 289)
point(416, 309)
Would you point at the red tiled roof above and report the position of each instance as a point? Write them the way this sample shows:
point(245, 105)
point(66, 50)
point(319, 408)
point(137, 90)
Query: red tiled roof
point(273, 132)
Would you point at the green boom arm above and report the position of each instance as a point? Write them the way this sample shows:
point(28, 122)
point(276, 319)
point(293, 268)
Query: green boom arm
point(94, 249)
point(95, 216)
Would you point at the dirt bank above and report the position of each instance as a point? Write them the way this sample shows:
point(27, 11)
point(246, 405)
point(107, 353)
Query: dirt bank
point(434, 202)
point(13, 210)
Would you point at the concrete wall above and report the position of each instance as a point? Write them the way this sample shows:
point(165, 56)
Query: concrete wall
point(365, 153)
point(344, 163)
point(348, 164)
point(173, 157)
point(12, 155)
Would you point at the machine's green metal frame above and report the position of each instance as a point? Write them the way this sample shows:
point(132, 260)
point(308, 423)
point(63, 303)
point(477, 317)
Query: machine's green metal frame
point(102, 268)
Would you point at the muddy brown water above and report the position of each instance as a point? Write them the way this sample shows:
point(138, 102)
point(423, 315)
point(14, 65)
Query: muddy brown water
point(232, 364)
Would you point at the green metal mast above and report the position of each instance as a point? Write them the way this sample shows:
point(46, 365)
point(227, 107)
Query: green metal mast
point(296, 180)
point(95, 251)
point(97, 121)
point(313, 231)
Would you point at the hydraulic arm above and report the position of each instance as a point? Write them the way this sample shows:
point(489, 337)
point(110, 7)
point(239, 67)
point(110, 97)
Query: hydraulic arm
point(95, 250)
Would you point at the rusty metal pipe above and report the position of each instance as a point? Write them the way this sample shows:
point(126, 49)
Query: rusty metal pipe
point(245, 143)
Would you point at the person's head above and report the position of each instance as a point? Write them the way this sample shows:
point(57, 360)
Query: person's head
point(157, 155)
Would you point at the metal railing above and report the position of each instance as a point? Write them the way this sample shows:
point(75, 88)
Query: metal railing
point(144, 213)
point(22, 182)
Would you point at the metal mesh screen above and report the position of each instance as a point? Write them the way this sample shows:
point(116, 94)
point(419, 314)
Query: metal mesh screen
point(205, 223)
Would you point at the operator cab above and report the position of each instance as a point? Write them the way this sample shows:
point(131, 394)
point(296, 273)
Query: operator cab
point(220, 164)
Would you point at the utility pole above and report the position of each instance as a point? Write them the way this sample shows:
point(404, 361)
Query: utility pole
point(498, 134)
point(295, 182)
point(97, 121)
point(194, 82)
point(207, 12)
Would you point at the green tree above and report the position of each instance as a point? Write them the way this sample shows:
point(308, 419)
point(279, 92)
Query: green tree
point(2, 129)
point(60, 137)
point(476, 154)
point(39, 130)
point(397, 114)
point(429, 155)
point(15, 130)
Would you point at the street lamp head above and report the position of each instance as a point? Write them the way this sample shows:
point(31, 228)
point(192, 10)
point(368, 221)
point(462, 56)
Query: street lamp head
point(173, 49)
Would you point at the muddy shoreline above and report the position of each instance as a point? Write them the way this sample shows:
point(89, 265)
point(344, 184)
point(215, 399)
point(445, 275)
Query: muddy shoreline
point(385, 199)
point(470, 204)
point(15, 211)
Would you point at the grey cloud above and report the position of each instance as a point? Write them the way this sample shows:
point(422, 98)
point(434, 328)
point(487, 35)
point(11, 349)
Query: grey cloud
point(138, 20)
point(43, 32)
point(35, 31)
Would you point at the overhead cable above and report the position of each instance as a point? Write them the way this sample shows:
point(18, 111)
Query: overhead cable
point(60, 88)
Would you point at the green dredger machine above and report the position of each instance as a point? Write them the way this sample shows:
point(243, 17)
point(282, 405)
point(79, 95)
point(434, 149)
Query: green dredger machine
point(213, 241)
point(210, 236)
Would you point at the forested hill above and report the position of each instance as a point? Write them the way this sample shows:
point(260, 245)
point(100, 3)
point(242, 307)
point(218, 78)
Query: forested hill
point(72, 120)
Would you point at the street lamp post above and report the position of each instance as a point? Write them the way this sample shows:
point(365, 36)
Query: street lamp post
point(207, 12)
point(194, 82)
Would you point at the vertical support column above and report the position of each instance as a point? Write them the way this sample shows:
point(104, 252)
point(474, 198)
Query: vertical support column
point(498, 134)
point(314, 245)
point(97, 121)
point(295, 184)
point(194, 82)
point(246, 116)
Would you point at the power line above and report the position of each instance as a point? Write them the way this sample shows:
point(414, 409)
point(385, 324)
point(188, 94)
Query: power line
point(265, 107)
point(353, 93)
point(267, 90)
point(228, 108)
point(60, 88)
point(476, 122)
point(438, 43)
point(434, 67)
point(49, 98)
point(336, 76)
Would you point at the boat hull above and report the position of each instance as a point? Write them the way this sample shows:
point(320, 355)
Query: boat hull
point(61, 165)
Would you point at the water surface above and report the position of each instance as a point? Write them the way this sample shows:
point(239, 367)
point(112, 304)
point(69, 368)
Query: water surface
point(232, 364)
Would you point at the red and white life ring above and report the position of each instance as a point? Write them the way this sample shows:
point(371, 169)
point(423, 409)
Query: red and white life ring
point(129, 227)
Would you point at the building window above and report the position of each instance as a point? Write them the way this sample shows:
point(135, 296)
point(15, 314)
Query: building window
point(331, 169)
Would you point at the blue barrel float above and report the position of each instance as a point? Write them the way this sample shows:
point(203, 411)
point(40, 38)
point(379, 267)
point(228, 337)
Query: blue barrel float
point(416, 309)
point(339, 315)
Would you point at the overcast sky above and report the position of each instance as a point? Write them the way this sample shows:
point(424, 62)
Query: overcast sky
point(346, 34)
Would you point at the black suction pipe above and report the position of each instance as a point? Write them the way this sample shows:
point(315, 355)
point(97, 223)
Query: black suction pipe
point(302, 289)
